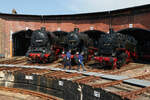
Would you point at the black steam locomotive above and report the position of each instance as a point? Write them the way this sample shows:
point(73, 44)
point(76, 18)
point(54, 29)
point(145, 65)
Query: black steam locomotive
point(76, 42)
point(116, 49)
point(42, 46)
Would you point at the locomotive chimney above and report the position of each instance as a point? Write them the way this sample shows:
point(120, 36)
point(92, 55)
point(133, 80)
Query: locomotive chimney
point(76, 30)
point(43, 29)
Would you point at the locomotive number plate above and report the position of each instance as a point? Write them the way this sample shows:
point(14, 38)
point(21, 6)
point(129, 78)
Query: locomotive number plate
point(61, 83)
point(97, 94)
point(29, 77)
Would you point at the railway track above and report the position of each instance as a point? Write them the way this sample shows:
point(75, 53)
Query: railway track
point(28, 92)
point(23, 61)
point(91, 80)
point(57, 64)
point(14, 60)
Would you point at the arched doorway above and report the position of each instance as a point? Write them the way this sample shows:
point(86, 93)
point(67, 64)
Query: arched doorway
point(94, 36)
point(21, 42)
point(143, 38)
point(61, 37)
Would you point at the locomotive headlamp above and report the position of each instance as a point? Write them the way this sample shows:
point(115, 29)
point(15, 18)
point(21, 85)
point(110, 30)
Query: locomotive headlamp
point(43, 50)
point(77, 53)
point(96, 53)
point(113, 54)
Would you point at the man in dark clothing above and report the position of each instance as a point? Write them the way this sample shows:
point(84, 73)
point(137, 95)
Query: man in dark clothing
point(67, 60)
point(64, 57)
point(80, 61)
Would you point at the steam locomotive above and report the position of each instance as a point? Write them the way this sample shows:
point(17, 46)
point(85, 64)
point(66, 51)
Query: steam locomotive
point(42, 46)
point(76, 42)
point(116, 49)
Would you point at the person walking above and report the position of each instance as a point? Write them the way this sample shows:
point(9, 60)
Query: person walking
point(67, 60)
point(80, 61)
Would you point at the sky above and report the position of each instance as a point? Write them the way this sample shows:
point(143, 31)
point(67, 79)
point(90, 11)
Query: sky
point(54, 7)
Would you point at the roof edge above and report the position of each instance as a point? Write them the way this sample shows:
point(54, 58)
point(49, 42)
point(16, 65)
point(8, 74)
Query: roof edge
point(78, 14)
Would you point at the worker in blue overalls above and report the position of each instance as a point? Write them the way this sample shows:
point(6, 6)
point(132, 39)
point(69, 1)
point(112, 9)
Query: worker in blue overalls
point(68, 60)
point(80, 61)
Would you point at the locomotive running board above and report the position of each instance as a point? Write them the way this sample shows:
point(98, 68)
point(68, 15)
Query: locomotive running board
point(127, 80)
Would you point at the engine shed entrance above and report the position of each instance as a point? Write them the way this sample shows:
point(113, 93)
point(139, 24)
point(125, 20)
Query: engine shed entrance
point(21, 42)
point(94, 35)
point(61, 35)
point(143, 38)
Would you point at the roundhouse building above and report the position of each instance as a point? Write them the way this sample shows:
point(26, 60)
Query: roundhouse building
point(16, 29)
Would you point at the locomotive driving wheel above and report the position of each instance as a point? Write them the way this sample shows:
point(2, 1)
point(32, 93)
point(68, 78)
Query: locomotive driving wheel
point(52, 57)
point(121, 60)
